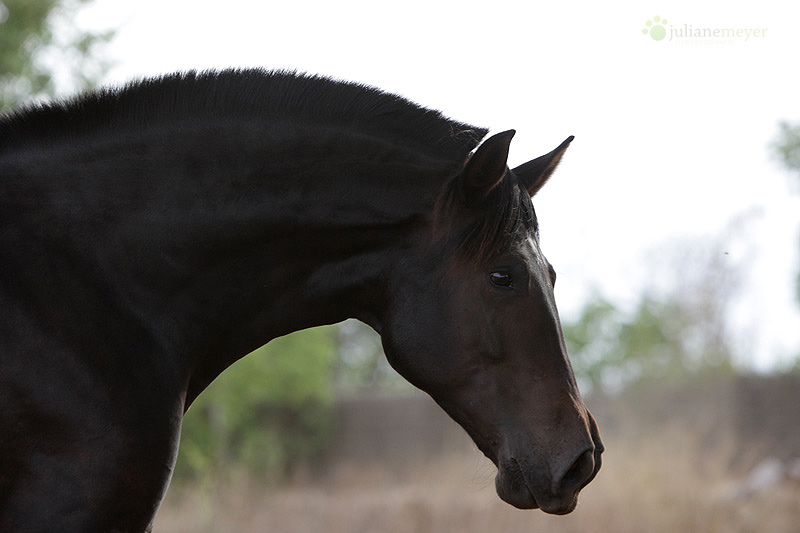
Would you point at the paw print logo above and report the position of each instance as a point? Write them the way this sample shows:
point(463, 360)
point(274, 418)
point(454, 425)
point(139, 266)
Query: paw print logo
point(656, 28)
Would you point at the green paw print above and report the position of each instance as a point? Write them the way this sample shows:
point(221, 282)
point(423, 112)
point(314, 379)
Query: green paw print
point(657, 31)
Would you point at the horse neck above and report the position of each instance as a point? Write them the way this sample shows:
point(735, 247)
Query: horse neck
point(216, 242)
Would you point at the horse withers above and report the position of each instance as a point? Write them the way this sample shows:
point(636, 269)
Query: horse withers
point(152, 235)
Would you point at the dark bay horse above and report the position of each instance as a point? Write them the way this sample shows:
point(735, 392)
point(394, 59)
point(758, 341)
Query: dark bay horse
point(152, 235)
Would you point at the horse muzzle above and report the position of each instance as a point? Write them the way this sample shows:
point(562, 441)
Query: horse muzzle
point(552, 487)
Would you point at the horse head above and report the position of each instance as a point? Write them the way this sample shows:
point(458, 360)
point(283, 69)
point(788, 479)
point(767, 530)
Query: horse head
point(473, 322)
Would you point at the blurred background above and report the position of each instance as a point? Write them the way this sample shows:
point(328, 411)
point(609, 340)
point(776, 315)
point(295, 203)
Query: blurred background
point(673, 223)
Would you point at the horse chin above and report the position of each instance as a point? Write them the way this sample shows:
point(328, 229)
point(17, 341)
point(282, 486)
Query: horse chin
point(519, 497)
point(513, 488)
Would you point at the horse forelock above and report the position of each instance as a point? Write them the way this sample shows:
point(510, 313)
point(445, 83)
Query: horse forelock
point(491, 227)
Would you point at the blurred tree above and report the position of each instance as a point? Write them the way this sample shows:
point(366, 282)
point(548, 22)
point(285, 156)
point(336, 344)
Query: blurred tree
point(787, 146)
point(267, 414)
point(658, 340)
point(675, 331)
point(592, 342)
point(360, 363)
point(42, 51)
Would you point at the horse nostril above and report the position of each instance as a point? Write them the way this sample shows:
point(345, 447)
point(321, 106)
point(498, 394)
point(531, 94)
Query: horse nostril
point(579, 473)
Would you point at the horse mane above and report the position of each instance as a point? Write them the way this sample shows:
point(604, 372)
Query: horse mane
point(243, 94)
point(282, 97)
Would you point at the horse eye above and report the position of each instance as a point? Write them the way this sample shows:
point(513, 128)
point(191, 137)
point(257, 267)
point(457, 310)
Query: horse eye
point(501, 278)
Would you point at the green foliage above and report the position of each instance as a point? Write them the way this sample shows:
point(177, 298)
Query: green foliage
point(37, 39)
point(267, 414)
point(360, 363)
point(591, 341)
point(676, 330)
point(661, 339)
point(787, 145)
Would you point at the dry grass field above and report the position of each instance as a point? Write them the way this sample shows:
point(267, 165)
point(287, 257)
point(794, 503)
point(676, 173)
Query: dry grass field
point(675, 474)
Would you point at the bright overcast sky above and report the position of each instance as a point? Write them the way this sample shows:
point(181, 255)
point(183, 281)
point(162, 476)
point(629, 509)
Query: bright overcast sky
point(672, 136)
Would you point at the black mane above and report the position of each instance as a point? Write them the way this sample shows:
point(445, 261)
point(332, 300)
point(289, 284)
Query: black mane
point(246, 94)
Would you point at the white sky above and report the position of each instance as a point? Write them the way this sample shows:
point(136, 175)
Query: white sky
point(672, 140)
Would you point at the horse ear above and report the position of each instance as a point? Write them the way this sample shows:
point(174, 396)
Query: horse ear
point(534, 174)
point(486, 168)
